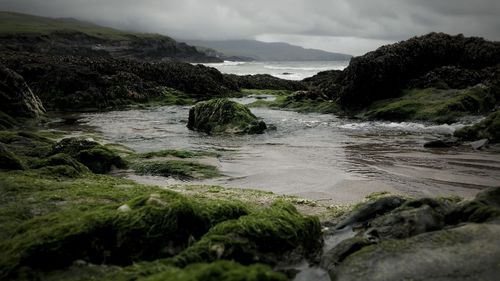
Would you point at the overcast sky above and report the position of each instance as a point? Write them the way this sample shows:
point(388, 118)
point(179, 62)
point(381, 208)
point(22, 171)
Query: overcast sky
point(348, 26)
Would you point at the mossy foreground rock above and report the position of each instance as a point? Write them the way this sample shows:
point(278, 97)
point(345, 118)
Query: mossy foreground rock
point(422, 239)
point(9, 161)
point(224, 116)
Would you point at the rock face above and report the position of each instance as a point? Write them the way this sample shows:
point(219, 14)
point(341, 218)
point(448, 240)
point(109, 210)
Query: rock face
point(16, 98)
point(420, 239)
point(224, 116)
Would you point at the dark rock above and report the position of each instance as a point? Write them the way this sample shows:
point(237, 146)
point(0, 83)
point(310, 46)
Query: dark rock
point(306, 95)
point(9, 161)
point(469, 252)
point(265, 81)
point(96, 157)
point(371, 210)
point(16, 98)
point(488, 128)
point(448, 77)
point(335, 256)
point(404, 223)
point(479, 144)
point(223, 116)
point(441, 144)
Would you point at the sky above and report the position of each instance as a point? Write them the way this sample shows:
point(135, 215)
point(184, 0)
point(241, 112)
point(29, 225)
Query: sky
point(346, 26)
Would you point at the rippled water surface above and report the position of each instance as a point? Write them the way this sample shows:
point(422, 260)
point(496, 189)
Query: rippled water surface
point(316, 156)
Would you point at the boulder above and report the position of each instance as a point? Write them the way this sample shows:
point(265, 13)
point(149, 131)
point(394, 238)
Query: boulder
point(479, 144)
point(371, 210)
point(224, 116)
point(336, 255)
point(484, 207)
point(16, 98)
point(468, 252)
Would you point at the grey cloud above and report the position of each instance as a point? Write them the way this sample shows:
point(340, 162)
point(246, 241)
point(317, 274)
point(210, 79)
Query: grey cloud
point(336, 21)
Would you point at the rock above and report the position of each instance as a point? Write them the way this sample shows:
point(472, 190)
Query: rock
point(371, 210)
point(223, 116)
point(479, 144)
point(484, 207)
point(489, 128)
point(124, 208)
point(335, 256)
point(447, 77)
point(9, 161)
point(404, 223)
point(469, 252)
point(440, 144)
point(264, 81)
point(16, 98)
point(96, 157)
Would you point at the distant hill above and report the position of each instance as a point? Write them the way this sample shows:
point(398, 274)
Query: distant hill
point(263, 51)
point(22, 32)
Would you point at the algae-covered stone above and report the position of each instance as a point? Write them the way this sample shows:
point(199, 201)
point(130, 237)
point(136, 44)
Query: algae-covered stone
point(9, 161)
point(488, 128)
point(224, 116)
point(273, 235)
point(484, 207)
point(469, 252)
point(96, 157)
point(61, 164)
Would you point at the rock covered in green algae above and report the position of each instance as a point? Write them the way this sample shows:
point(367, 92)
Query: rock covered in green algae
point(9, 161)
point(488, 128)
point(96, 157)
point(16, 98)
point(224, 116)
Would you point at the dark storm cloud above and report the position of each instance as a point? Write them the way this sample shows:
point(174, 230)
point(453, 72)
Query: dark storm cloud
point(346, 25)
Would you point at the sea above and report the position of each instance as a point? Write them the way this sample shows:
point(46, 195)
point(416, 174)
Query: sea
point(291, 70)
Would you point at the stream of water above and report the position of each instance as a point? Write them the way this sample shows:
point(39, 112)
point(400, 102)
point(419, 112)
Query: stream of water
point(316, 156)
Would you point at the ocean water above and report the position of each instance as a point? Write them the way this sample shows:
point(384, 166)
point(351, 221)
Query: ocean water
point(291, 70)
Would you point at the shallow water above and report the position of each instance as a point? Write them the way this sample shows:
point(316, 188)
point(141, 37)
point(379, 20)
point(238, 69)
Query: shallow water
point(316, 156)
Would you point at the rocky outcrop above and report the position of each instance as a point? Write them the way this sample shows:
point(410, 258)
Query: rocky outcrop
point(265, 81)
point(435, 59)
point(70, 83)
point(420, 239)
point(224, 116)
point(9, 161)
point(16, 98)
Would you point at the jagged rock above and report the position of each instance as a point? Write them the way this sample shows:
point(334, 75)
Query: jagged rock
point(16, 98)
point(224, 116)
point(336, 255)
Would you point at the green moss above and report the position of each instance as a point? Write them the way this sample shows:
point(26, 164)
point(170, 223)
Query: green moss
point(219, 271)
point(168, 96)
point(6, 122)
point(305, 106)
point(175, 168)
point(26, 144)
point(431, 104)
point(152, 226)
point(489, 128)
point(223, 116)
point(268, 236)
point(95, 156)
point(176, 153)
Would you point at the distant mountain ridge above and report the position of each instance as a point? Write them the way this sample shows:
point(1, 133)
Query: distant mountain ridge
point(263, 51)
point(68, 36)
